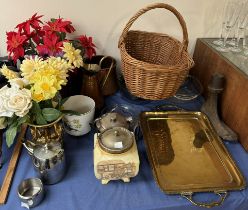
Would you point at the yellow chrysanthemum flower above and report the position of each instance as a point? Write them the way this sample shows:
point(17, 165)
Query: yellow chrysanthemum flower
point(48, 72)
point(45, 76)
point(72, 55)
point(58, 63)
point(60, 67)
point(61, 77)
point(44, 89)
point(30, 66)
point(37, 96)
point(9, 74)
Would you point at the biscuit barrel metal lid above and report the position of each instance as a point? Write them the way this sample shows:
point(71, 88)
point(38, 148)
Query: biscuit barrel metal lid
point(116, 140)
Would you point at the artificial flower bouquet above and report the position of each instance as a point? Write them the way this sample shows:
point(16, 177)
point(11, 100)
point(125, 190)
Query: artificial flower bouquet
point(33, 37)
point(32, 95)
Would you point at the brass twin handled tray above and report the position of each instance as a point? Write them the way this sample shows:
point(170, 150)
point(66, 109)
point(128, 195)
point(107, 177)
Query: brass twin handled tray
point(187, 156)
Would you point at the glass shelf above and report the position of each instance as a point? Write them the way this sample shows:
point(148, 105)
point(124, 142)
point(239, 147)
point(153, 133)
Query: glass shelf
point(240, 60)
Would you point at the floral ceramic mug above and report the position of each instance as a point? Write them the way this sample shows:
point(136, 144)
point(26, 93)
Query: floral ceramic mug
point(78, 125)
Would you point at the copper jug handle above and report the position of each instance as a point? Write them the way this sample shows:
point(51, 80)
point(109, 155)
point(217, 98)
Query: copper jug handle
point(222, 195)
point(109, 71)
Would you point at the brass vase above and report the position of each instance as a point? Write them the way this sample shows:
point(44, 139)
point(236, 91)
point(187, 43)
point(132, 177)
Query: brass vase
point(43, 134)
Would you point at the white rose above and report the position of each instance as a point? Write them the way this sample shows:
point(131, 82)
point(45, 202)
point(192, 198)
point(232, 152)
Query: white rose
point(3, 123)
point(19, 101)
point(18, 83)
point(4, 112)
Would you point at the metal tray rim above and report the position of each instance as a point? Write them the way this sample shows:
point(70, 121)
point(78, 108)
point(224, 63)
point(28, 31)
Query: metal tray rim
point(209, 189)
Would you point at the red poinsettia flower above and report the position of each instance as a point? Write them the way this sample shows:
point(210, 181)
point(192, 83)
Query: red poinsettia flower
point(88, 45)
point(24, 27)
point(18, 53)
point(15, 44)
point(59, 25)
point(37, 36)
point(51, 46)
point(33, 22)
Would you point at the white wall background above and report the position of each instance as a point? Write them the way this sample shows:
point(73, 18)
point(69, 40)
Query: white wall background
point(104, 20)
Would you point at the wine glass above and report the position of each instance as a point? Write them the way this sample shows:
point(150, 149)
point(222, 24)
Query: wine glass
point(231, 15)
point(241, 23)
point(219, 41)
point(245, 41)
point(233, 34)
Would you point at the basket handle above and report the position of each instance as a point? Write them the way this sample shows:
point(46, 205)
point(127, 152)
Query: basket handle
point(222, 196)
point(155, 6)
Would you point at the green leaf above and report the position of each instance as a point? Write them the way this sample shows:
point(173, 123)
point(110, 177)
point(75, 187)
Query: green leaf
point(57, 98)
point(53, 20)
point(40, 120)
point(70, 112)
point(35, 108)
point(29, 52)
point(22, 120)
point(28, 87)
point(10, 135)
point(61, 102)
point(12, 121)
point(51, 114)
point(46, 104)
point(62, 36)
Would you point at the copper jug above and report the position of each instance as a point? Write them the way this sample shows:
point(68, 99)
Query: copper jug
point(91, 88)
point(107, 75)
point(105, 66)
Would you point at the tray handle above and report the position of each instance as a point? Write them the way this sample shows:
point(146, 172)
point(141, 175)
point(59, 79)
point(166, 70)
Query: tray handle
point(222, 196)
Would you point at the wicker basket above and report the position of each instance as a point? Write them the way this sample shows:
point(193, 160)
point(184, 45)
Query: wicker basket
point(154, 65)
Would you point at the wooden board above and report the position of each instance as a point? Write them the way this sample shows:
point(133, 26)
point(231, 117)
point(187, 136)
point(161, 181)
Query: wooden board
point(11, 167)
point(233, 103)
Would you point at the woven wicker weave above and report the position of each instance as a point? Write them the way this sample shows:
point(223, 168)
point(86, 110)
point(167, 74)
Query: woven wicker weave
point(154, 65)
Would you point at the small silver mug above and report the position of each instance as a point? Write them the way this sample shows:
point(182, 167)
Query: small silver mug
point(30, 192)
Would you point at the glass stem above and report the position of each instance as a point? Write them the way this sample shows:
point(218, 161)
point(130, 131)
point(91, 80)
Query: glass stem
point(242, 34)
point(226, 36)
point(238, 39)
point(222, 29)
point(237, 43)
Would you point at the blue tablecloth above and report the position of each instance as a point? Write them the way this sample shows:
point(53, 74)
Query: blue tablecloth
point(81, 190)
